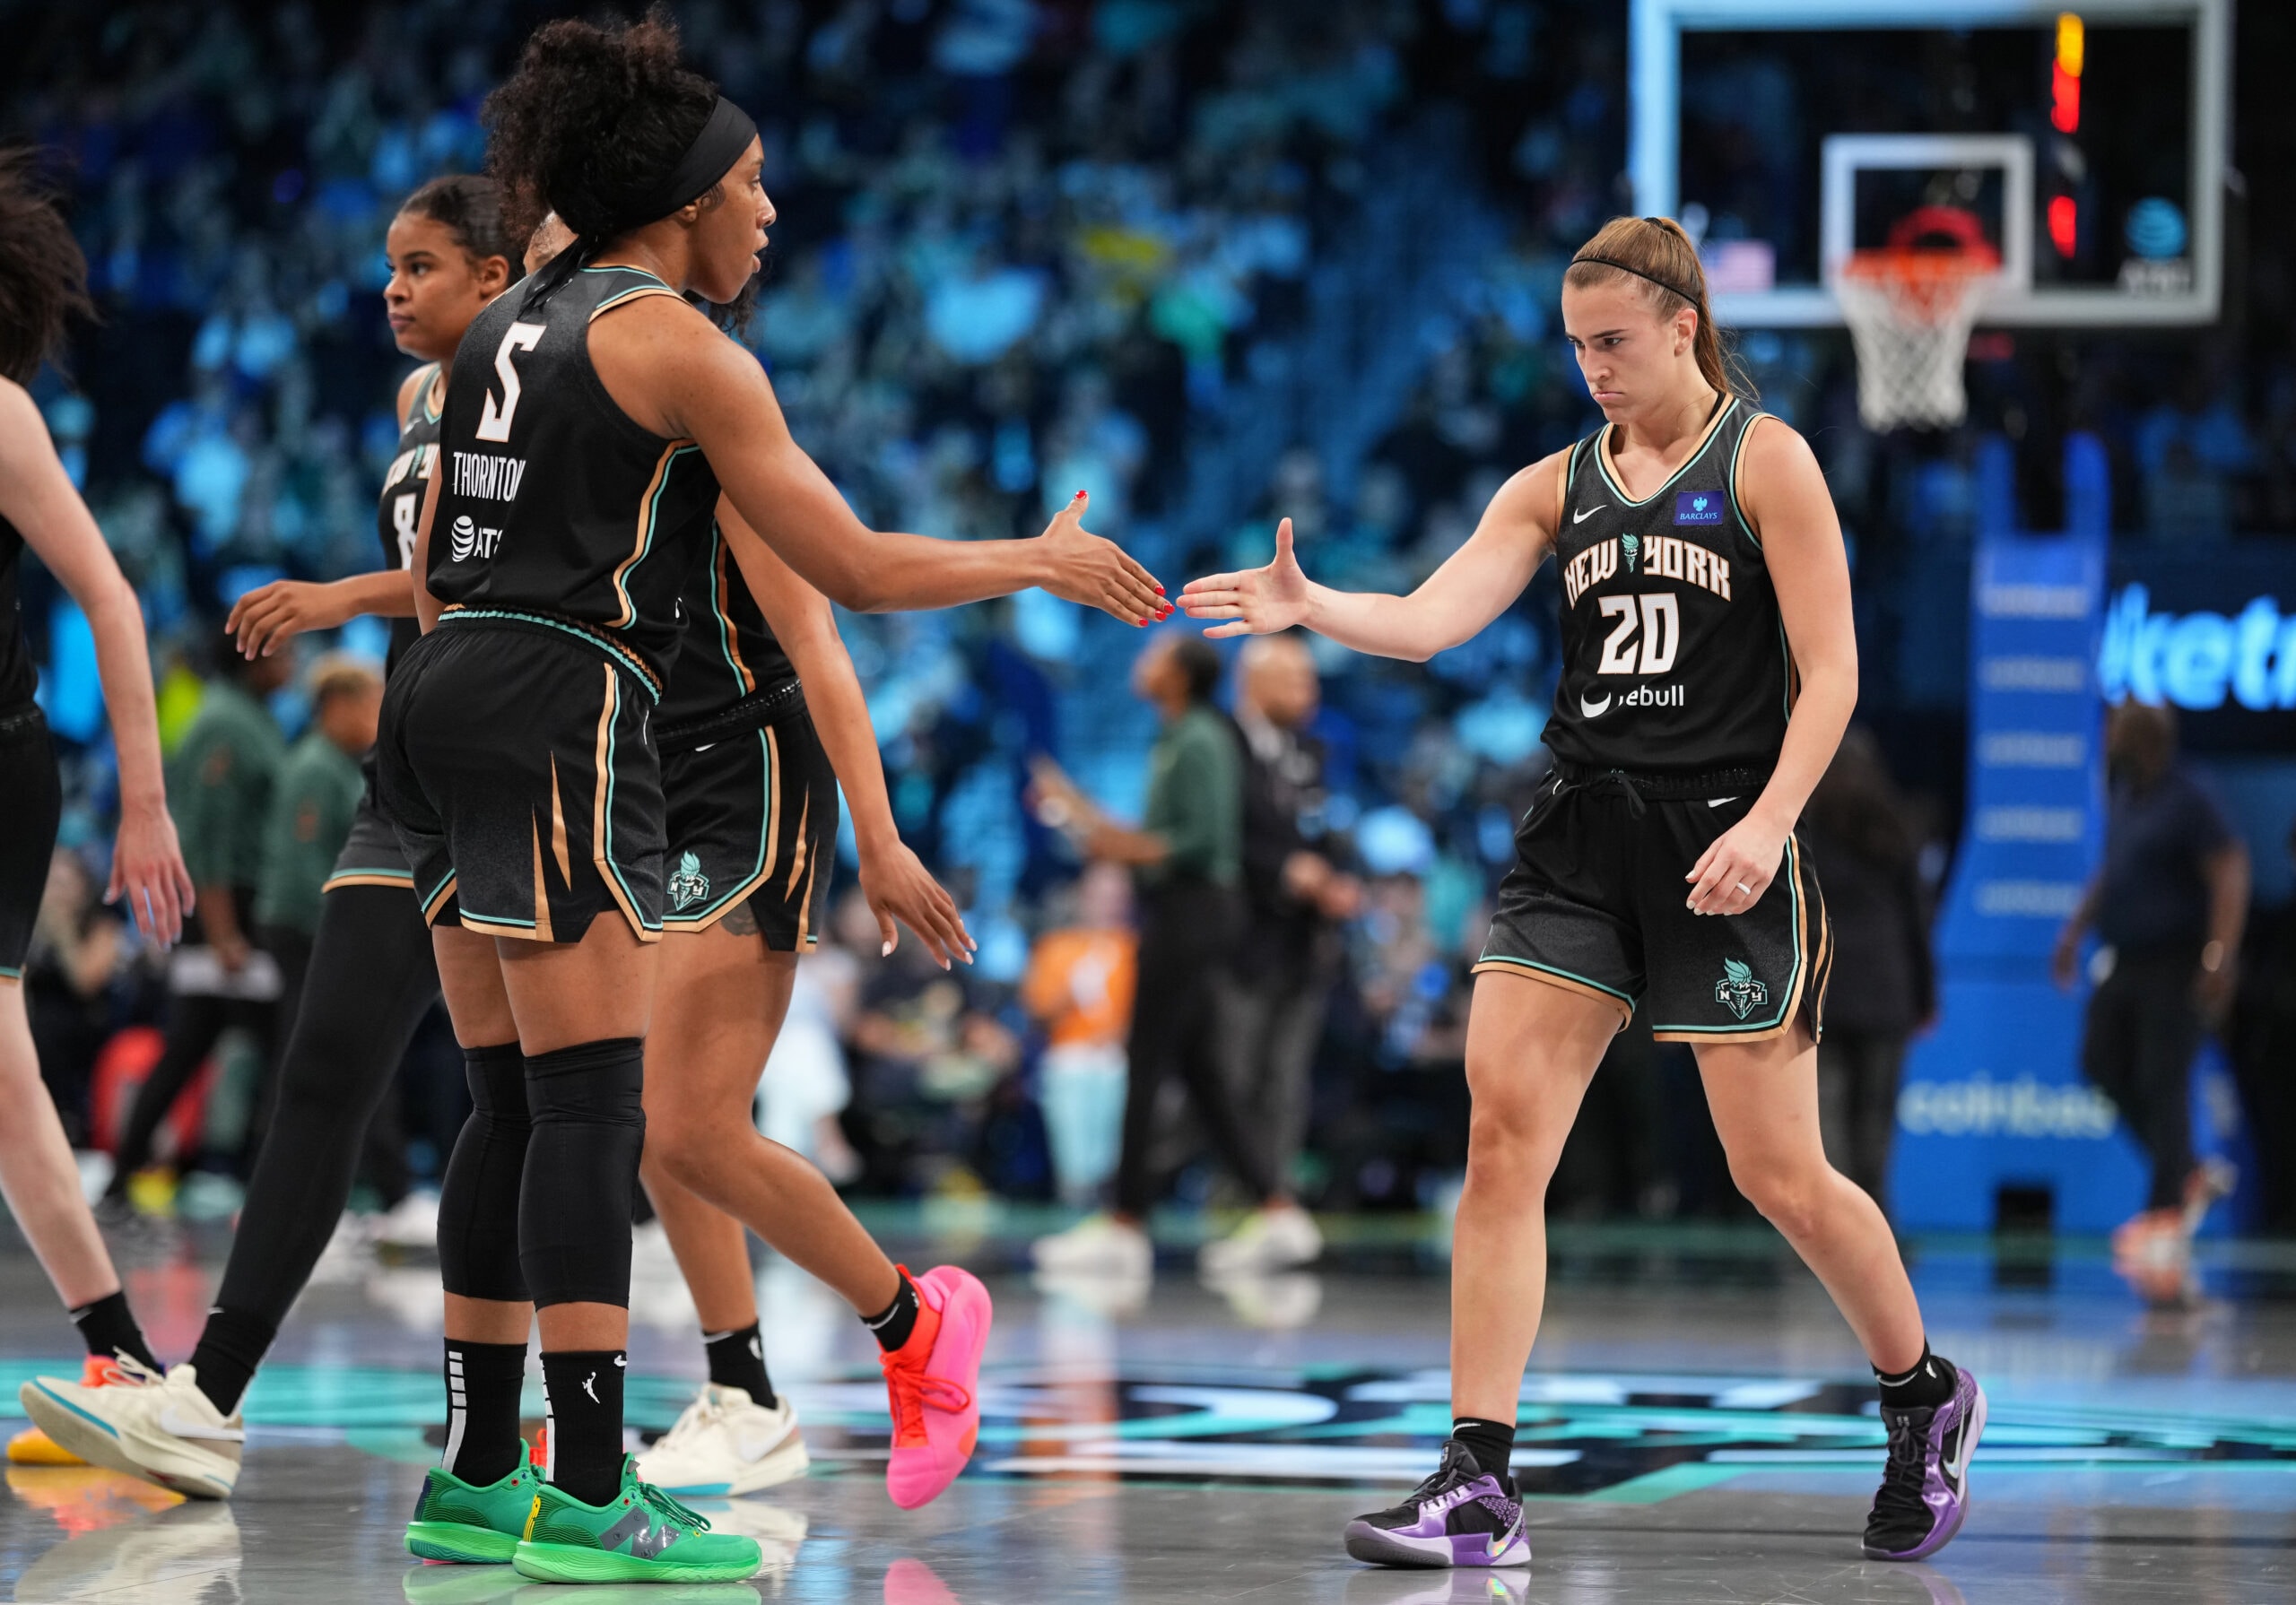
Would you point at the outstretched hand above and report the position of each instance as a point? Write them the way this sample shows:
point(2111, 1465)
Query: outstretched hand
point(1096, 572)
point(1257, 601)
point(899, 887)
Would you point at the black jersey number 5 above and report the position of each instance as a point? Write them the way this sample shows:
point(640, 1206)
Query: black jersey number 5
point(1656, 614)
point(494, 423)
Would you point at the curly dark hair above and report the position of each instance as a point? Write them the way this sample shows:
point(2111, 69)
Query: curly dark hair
point(590, 119)
point(469, 207)
point(43, 276)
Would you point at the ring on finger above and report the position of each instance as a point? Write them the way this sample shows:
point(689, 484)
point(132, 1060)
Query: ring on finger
point(1744, 887)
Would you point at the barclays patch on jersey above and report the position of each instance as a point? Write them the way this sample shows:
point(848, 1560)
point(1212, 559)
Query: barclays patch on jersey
point(1698, 506)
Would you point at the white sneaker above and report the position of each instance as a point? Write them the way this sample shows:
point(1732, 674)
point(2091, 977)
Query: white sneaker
point(724, 1444)
point(411, 1223)
point(162, 1430)
point(1097, 1245)
point(1279, 1239)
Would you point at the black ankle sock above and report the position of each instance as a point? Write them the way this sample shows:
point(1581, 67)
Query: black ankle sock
point(1928, 1384)
point(737, 1360)
point(892, 1324)
point(230, 1346)
point(108, 1327)
point(584, 1392)
point(482, 1383)
point(1492, 1443)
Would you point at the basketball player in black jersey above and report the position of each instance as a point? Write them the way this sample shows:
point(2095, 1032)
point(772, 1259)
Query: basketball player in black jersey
point(591, 419)
point(749, 778)
point(371, 975)
point(43, 282)
point(1710, 667)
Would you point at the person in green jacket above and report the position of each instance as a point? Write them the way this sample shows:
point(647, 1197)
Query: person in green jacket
point(221, 777)
point(312, 804)
point(1187, 858)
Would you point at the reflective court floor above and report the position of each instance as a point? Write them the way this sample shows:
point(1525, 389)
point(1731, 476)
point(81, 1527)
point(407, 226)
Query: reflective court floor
point(1697, 1427)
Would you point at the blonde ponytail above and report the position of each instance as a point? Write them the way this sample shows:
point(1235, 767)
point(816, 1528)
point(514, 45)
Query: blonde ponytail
point(1656, 253)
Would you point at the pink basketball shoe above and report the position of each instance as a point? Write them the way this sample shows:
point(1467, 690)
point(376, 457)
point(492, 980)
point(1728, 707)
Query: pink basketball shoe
point(931, 1382)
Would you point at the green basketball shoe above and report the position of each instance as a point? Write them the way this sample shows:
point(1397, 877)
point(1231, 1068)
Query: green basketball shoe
point(641, 1536)
point(456, 1519)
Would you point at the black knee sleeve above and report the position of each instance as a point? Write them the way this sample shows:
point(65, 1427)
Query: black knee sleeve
point(478, 1200)
point(589, 1130)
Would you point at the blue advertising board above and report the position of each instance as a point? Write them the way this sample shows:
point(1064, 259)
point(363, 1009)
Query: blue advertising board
point(1994, 1098)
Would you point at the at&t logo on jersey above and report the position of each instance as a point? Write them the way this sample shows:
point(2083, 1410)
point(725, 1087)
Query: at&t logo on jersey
point(1698, 506)
point(468, 541)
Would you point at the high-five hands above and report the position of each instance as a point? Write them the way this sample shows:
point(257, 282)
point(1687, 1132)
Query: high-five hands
point(1096, 572)
point(1257, 601)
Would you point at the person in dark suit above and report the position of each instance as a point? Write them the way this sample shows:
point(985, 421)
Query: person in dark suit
point(1270, 1006)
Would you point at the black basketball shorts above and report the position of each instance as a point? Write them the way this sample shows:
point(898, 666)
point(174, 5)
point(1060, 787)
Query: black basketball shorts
point(31, 801)
point(370, 855)
point(1596, 903)
point(520, 771)
point(752, 827)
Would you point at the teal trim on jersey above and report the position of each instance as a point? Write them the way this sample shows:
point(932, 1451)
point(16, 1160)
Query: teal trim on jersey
point(1556, 970)
point(746, 682)
point(1602, 457)
point(1730, 480)
point(760, 870)
point(605, 847)
point(1785, 653)
point(617, 267)
point(1787, 999)
point(8, 973)
point(619, 654)
point(653, 518)
point(422, 396)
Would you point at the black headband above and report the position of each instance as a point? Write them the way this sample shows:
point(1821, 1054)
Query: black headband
point(1637, 272)
point(719, 144)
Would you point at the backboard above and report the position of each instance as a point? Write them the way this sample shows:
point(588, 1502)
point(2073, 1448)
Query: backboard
point(2089, 145)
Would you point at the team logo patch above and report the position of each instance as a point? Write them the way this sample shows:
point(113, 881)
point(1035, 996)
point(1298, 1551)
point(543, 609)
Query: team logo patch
point(688, 885)
point(1630, 546)
point(1698, 506)
point(1737, 991)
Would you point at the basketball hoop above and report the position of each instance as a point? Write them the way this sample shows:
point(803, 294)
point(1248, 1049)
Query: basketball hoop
point(1910, 305)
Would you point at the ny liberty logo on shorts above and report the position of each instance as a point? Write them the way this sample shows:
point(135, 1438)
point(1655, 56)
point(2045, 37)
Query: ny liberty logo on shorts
point(1737, 991)
point(688, 885)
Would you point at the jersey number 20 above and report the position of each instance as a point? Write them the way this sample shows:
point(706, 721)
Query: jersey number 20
point(493, 422)
point(1655, 612)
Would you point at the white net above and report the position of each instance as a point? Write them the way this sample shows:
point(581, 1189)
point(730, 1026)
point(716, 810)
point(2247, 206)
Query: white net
point(1909, 316)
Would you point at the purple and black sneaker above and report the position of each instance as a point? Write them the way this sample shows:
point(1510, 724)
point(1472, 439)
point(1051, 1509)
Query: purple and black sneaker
point(1459, 1516)
point(1926, 1488)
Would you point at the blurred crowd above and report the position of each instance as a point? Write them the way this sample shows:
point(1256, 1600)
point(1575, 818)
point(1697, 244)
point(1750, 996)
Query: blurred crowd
point(1026, 247)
